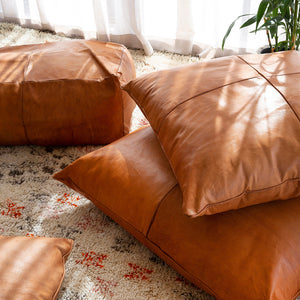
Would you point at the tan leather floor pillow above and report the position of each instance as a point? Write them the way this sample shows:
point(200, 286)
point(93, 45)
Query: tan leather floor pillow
point(250, 253)
point(64, 93)
point(230, 128)
point(32, 267)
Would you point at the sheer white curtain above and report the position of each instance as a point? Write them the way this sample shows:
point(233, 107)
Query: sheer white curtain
point(182, 26)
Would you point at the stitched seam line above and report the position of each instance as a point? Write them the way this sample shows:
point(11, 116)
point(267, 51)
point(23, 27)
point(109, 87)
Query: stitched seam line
point(87, 195)
point(158, 206)
point(200, 94)
point(211, 291)
point(293, 73)
point(64, 258)
point(97, 60)
point(67, 79)
point(245, 193)
point(121, 60)
point(288, 103)
point(92, 198)
point(122, 96)
point(22, 99)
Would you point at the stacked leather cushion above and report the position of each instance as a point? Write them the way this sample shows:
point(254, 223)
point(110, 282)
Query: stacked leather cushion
point(224, 146)
point(32, 267)
point(64, 93)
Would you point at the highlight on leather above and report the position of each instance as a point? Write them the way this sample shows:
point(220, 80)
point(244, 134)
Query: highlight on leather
point(229, 127)
point(109, 177)
point(249, 253)
point(32, 267)
point(64, 93)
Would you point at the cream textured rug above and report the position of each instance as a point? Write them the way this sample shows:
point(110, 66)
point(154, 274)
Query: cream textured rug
point(106, 261)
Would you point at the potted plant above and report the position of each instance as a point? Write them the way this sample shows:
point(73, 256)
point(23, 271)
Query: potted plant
point(280, 20)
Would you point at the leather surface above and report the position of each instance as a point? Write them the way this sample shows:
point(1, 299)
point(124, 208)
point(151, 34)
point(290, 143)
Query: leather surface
point(64, 93)
point(121, 177)
point(32, 267)
point(230, 128)
point(250, 253)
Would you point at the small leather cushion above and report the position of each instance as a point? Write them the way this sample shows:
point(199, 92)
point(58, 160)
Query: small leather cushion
point(32, 267)
point(230, 128)
point(250, 253)
point(121, 177)
point(64, 93)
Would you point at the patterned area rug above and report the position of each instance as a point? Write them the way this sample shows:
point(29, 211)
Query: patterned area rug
point(106, 261)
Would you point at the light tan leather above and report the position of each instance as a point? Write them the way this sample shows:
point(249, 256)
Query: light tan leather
point(230, 129)
point(64, 93)
point(121, 177)
point(250, 253)
point(32, 267)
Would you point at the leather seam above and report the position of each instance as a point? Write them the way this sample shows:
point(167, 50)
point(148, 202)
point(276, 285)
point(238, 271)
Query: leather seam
point(198, 95)
point(93, 200)
point(22, 98)
point(121, 60)
point(296, 295)
point(94, 56)
point(67, 79)
point(88, 196)
point(213, 293)
point(157, 208)
point(64, 269)
point(243, 194)
point(123, 104)
point(287, 102)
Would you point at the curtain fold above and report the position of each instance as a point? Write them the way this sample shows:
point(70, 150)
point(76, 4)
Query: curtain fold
point(181, 26)
point(101, 20)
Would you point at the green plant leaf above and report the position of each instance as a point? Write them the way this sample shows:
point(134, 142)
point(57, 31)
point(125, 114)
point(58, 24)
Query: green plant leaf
point(249, 22)
point(230, 28)
point(261, 11)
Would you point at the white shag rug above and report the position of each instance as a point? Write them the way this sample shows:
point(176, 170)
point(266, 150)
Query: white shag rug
point(106, 262)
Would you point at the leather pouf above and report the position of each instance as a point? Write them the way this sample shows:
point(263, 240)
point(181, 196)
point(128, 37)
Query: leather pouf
point(64, 93)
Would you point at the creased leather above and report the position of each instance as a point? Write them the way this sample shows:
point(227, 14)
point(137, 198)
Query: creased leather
point(64, 93)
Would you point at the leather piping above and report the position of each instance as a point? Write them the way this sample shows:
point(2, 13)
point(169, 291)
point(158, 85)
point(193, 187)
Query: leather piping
point(288, 103)
point(242, 194)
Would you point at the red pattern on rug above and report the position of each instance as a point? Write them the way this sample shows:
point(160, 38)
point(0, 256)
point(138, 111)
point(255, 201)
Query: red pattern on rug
point(12, 210)
point(138, 272)
point(92, 258)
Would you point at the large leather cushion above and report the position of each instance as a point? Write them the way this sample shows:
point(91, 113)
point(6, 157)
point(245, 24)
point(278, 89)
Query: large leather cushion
point(121, 177)
point(32, 267)
point(229, 127)
point(64, 93)
point(250, 253)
